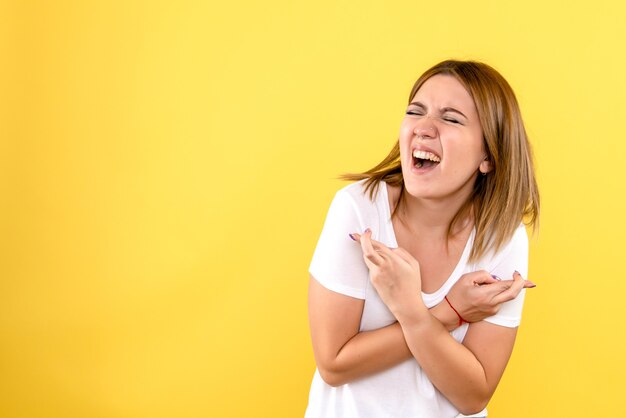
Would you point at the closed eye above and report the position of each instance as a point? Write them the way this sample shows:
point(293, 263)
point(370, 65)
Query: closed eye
point(451, 120)
point(416, 109)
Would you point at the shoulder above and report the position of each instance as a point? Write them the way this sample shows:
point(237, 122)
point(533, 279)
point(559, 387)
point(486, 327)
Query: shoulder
point(519, 240)
point(353, 205)
point(516, 247)
point(358, 189)
point(360, 197)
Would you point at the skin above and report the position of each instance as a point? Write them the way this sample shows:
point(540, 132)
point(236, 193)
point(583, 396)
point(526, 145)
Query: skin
point(468, 373)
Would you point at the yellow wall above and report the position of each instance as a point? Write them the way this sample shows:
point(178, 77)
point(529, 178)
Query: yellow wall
point(166, 168)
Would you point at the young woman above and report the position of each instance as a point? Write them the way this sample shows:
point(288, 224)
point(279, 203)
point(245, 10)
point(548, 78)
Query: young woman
point(417, 285)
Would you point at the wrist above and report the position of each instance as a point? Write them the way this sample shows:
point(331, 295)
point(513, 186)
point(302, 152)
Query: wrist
point(444, 314)
point(412, 314)
point(461, 320)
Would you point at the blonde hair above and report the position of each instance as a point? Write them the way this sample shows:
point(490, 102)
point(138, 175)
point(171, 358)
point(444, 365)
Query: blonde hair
point(507, 195)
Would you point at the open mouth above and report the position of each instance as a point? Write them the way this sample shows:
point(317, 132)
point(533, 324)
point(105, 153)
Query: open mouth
point(425, 159)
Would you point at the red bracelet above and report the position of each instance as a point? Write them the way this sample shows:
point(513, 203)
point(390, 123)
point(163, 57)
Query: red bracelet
point(461, 320)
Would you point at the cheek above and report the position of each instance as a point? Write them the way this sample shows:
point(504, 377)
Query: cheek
point(406, 131)
point(463, 159)
point(469, 148)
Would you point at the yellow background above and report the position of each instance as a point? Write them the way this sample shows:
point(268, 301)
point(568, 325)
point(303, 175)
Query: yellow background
point(166, 168)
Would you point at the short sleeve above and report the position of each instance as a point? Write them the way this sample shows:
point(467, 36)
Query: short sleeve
point(338, 261)
point(514, 257)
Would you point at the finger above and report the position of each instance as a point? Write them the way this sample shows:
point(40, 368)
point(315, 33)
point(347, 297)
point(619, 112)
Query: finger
point(355, 237)
point(381, 248)
point(517, 284)
point(496, 287)
point(408, 258)
point(486, 278)
point(528, 284)
point(373, 268)
point(368, 249)
point(378, 246)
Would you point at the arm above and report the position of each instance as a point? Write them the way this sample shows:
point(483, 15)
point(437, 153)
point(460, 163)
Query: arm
point(341, 352)
point(344, 354)
point(467, 374)
point(448, 318)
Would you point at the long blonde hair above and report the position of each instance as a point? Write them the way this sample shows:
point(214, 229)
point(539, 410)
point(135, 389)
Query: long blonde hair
point(507, 195)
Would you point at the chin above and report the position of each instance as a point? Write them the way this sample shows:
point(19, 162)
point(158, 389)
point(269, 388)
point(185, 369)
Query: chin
point(419, 190)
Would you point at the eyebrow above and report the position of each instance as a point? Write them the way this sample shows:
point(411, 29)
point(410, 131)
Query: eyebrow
point(443, 110)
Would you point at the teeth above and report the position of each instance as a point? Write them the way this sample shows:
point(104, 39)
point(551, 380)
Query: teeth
point(425, 155)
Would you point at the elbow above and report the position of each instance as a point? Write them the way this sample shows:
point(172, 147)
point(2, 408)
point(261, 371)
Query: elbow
point(332, 377)
point(472, 409)
point(473, 405)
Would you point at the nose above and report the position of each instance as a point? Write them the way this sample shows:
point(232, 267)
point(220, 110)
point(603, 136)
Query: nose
point(425, 129)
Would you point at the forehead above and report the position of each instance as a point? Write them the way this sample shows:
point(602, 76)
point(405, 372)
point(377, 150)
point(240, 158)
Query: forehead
point(441, 91)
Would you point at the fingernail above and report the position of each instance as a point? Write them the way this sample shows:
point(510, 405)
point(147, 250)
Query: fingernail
point(495, 277)
point(352, 237)
point(531, 284)
point(367, 230)
point(517, 272)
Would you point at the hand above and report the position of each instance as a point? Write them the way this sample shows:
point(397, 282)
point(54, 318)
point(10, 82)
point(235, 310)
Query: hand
point(395, 275)
point(479, 295)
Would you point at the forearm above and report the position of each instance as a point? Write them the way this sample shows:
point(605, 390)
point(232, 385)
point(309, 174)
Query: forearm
point(374, 351)
point(366, 353)
point(467, 374)
point(450, 366)
point(444, 314)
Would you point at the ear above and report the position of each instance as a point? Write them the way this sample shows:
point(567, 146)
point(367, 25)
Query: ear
point(485, 166)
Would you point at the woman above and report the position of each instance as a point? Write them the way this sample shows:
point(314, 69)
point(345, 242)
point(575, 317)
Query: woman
point(418, 317)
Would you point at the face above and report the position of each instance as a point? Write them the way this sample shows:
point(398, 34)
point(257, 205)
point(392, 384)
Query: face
point(441, 141)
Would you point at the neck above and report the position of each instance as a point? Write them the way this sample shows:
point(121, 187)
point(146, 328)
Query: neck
point(432, 217)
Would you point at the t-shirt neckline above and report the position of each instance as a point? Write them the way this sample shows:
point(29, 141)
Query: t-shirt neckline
point(458, 269)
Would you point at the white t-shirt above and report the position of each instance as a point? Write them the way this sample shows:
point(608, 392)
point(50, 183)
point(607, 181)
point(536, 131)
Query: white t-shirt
point(403, 390)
